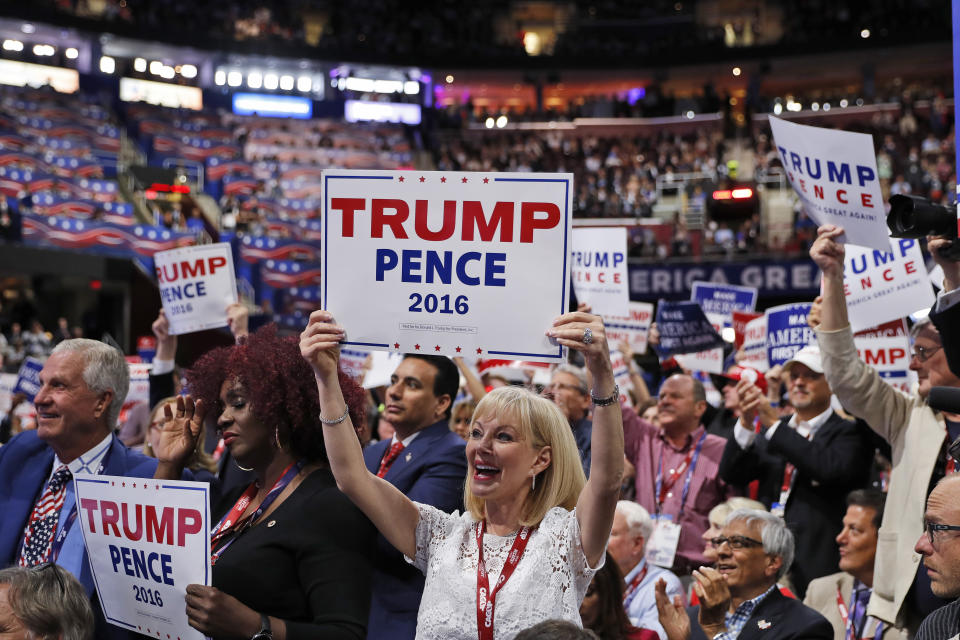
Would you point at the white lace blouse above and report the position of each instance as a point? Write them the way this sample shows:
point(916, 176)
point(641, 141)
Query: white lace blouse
point(548, 584)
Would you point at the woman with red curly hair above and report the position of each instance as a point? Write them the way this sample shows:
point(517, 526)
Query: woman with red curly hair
point(290, 552)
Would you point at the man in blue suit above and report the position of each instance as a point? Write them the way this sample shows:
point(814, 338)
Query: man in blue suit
point(83, 385)
point(426, 461)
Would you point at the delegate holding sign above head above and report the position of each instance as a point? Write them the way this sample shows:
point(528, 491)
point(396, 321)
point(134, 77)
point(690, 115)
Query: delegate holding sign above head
point(524, 478)
point(915, 431)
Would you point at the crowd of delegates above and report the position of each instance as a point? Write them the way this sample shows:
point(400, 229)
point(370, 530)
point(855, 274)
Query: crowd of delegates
point(762, 514)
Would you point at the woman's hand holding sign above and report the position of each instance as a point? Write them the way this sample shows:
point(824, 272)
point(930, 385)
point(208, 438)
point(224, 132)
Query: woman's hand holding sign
point(218, 615)
point(320, 345)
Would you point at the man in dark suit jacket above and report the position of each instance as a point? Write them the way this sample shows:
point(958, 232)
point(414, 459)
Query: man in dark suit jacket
point(739, 598)
point(74, 429)
point(945, 314)
point(806, 464)
point(569, 390)
point(426, 461)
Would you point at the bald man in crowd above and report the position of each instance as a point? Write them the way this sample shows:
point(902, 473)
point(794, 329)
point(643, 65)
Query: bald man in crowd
point(939, 544)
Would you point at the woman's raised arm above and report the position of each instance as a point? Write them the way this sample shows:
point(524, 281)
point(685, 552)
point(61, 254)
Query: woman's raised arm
point(393, 513)
point(598, 500)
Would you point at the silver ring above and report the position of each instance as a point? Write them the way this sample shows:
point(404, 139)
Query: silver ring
point(587, 335)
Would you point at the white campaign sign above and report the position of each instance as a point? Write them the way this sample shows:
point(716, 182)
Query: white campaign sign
point(382, 366)
point(632, 329)
point(457, 262)
point(352, 362)
point(146, 541)
point(886, 348)
point(196, 285)
point(621, 376)
point(136, 406)
point(885, 285)
point(753, 353)
point(710, 360)
point(599, 269)
point(835, 175)
point(890, 356)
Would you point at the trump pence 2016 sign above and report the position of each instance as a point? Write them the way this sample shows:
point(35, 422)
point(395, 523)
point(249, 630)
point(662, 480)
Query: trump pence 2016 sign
point(146, 541)
point(196, 285)
point(447, 263)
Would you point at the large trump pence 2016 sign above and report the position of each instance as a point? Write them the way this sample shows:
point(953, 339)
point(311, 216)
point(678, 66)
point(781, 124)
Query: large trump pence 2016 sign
point(447, 263)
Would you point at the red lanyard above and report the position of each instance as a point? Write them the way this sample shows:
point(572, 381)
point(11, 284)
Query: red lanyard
point(850, 632)
point(637, 579)
point(232, 523)
point(486, 596)
point(844, 614)
point(672, 476)
point(787, 478)
point(951, 462)
point(788, 472)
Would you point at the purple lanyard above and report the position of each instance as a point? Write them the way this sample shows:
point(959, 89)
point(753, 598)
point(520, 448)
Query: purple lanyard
point(686, 481)
point(244, 524)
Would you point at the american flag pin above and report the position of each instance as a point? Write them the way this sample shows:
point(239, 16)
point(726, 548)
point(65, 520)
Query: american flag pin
point(763, 624)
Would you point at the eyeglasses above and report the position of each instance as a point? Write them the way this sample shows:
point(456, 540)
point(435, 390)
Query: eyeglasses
point(736, 542)
point(40, 568)
point(556, 386)
point(935, 531)
point(924, 353)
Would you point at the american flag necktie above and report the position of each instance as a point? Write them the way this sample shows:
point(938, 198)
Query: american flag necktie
point(38, 537)
point(388, 459)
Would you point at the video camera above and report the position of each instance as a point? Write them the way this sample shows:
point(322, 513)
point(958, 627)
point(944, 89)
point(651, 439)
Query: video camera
point(915, 217)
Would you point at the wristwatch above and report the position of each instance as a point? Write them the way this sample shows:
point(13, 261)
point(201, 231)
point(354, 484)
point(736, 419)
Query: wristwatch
point(265, 633)
point(603, 402)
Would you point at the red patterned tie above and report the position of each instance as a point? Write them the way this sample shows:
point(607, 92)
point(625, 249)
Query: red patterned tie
point(38, 538)
point(388, 459)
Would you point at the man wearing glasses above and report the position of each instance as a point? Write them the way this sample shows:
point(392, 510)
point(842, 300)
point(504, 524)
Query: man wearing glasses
point(569, 390)
point(739, 596)
point(918, 436)
point(939, 544)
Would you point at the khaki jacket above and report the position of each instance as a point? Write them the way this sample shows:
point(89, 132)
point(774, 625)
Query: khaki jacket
point(822, 597)
point(916, 434)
